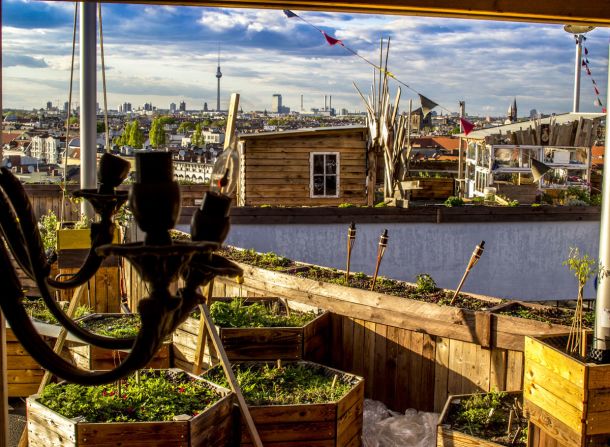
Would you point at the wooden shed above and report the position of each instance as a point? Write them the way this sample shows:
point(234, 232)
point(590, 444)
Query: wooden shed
point(310, 167)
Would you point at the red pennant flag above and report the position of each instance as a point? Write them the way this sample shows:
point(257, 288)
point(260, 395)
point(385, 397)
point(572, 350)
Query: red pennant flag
point(596, 90)
point(583, 63)
point(586, 51)
point(331, 40)
point(588, 71)
point(603, 110)
point(467, 126)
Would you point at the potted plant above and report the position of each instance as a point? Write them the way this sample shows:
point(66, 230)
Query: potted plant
point(299, 403)
point(155, 407)
point(112, 325)
point(483, 419)
point(256, 329)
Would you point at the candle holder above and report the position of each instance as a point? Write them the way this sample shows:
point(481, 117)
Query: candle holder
point(383, 243)
point(351, 238)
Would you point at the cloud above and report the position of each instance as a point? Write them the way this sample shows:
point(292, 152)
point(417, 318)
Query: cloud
point(14, 60)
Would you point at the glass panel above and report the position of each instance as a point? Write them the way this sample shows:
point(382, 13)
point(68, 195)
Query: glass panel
point(527, 155)
point(578, 156)
point(318, 185)
point(471, 152)
point(506, 158)
point(331, 164)
point(318, 164)
point(331, 185)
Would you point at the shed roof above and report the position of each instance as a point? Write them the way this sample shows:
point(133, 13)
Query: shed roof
point(308, 132)
point(559, 119)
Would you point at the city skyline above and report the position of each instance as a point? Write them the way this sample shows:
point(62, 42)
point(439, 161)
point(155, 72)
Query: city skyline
point(167, 54)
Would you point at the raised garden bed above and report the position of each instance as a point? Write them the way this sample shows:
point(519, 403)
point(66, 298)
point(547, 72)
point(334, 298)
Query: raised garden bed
point(300, 403)
point(112, 325)
point(256, 329)
point(567, 398)
point(168, 408)
point(546, 314)
point(483, 420)
point(419, 307)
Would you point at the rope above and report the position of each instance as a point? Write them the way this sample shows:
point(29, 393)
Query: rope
point(63, 190)
point(99, 9)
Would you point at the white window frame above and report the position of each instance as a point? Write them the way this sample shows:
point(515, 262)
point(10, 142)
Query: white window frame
point(337, 175)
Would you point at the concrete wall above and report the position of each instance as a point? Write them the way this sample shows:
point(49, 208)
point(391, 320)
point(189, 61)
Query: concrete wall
point(521, 260)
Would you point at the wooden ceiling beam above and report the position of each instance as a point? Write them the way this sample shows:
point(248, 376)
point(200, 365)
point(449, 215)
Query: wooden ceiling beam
point(592, 12)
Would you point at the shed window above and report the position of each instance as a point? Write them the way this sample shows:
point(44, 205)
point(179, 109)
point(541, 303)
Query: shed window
point(324, 174)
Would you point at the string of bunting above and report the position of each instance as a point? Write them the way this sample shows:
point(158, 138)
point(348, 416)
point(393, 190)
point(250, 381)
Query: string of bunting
point(585, 63)
point(426, 103)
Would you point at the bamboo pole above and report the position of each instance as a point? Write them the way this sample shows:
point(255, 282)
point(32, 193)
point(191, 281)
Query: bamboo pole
point(3, 385)
point(202, 334)
point(474, 258)
point(383, 243)
point(226, 366)
point(351, 237)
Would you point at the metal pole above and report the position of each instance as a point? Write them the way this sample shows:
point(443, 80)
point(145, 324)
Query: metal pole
point(577, 70)
point(601, 336)
point(88, 100)
point(460, 182)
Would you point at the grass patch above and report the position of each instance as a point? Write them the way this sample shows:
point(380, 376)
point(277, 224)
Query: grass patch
point(291, 384)
point(38, 310)
point(157, 397)
point(119, 326)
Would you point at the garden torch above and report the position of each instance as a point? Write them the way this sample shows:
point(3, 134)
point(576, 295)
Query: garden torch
point(474, 258)
point(351, 238)
point(383, 243)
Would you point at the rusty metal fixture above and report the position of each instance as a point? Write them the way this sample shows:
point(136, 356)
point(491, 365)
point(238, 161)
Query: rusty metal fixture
point(351, 238)
point(383, 243)
point(155, 203)
point(474, 258)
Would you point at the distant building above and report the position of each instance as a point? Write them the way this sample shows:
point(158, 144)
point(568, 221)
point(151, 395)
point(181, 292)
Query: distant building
point(205, 106)
point(46, 149)
point(172, 107)
point(182, 106)
point(66, 106)
point(213, 136)
point(49, 105)
point(276, 103)
point(511, 114)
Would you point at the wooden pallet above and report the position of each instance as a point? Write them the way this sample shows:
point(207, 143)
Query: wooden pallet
point(24, 373)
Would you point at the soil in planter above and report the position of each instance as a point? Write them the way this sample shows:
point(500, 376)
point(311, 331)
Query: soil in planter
point(38, 310)
point(486, 416)
point(241, 313)
point(120, 326)
point(159, 396)
point(269, 261)
point(288, 384)
point(554, 315)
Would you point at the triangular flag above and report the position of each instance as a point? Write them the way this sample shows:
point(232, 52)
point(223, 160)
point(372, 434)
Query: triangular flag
point(593, 81)
point(588, 71)
point(598, 102)
point(586, 51)
point(583, 63)
point(467, 126)
point(426, 104)
point(596, 90)
point(587, 60)
point(538, 169)
point(331, 40)
point(603, 110)
point(289, 13)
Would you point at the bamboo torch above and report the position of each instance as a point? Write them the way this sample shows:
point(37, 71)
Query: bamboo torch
point(351, 238)
point(476, 255)
point(383, 243)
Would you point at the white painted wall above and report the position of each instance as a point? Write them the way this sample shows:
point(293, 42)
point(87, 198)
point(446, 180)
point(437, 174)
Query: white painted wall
point(521, 260)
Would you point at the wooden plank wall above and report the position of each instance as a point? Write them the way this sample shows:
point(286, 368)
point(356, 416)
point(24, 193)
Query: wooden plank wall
point(409, 369)
point(277, 170)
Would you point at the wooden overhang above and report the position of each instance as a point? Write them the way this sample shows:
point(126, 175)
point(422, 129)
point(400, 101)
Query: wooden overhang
point(591, 12)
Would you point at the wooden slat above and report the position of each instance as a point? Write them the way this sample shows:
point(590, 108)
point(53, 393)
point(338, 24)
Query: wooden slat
point(369, 357)
point(514, 371)
point(379, 367)
point(402, 396)
point(497, 373)
point(441, 373)
point(552, 426)
point(347, 348)
point(358, 353)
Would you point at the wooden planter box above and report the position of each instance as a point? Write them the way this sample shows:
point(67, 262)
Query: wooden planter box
point(331, 424)
point(94, 358)
point(432, 188)
point(73, 246)
point(568, 399)
point(242, 344)
point(213, 427)
point(447, 437)
point(23, 372)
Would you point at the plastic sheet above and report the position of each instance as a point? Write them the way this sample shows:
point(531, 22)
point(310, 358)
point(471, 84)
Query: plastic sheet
point(386, 428)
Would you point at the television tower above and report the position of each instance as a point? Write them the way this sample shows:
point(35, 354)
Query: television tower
point(218, 76)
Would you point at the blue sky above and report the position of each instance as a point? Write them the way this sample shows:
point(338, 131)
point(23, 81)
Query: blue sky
point(165, 54)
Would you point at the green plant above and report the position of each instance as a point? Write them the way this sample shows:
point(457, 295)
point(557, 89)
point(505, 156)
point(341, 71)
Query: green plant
point(292, 383)
point(38, 310)
point(120, 326)
point(478, 200)
point(381, 205)
point(425, 283)
point(513, 203)
point(453, 201)
point(48, 225)
point(596, 200)
point(346, 205)
point(536, 205)
point(240, 313)
point(156, 396)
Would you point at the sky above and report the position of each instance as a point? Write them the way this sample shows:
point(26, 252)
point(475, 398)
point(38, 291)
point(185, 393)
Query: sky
point(163, 54)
